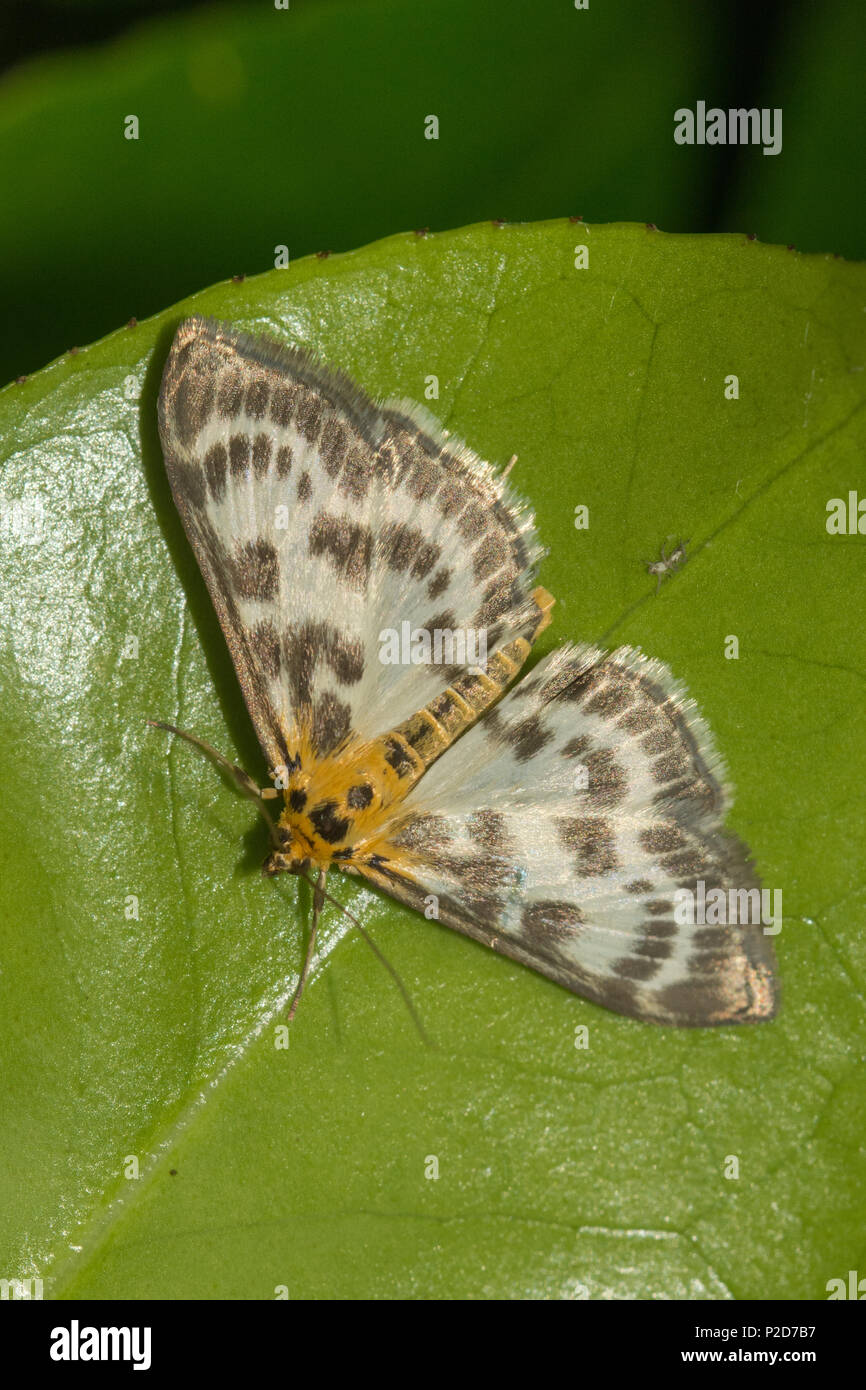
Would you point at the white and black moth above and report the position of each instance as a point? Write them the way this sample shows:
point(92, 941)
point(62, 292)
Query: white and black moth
point(320, 518)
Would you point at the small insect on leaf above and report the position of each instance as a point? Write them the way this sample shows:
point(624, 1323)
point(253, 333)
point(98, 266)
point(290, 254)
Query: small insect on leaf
point(668, 563)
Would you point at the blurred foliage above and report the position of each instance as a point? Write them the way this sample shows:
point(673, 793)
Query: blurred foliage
point(305, 128)
point(814, 193)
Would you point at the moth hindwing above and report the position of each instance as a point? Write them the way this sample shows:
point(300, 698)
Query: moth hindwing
point(376, 584)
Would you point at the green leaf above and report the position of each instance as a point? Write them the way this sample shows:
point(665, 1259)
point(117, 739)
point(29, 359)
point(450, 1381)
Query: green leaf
point(149, 1032)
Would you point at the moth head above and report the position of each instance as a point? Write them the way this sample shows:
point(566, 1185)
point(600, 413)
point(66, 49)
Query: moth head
point(290, 856)
point(281, 863)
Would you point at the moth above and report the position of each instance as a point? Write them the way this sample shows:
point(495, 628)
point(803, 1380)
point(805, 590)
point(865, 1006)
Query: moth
point(552, 816)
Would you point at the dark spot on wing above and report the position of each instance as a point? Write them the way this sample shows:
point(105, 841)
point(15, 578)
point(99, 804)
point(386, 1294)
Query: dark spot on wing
point(608, 782)
point(614, 696)
point(256, 571)
point(449, 498)
point(262, 449)
point(215, 465)
point(659, 741)
point(422, 476)
point(282, 405)
point(659, 907)
point(333, 445)
point(490, 556)
point(482, 881)
point(426, 832)
point(593, 840)
point(640, 720)
point(405, 549)
point(239, 454)
point(256, 402)
point(691, 864)
point(192, 404)
point(444, 622)
point(474, 519)
point(548, 924)
point(576, 747)
point(357, 474)
point(230, 393)
point(636, 968)
point(670, 768)
point(661, 839)
point(190, 481)
point(439, 583)
point(639, 886)
point(489, 829)
point(500, 597)
point(688, 999)
point(265, 648)
point(527, 737)
point(346, 545)
point(572, 683)
point(332, 720)
point(311, 643)
point(309, 418)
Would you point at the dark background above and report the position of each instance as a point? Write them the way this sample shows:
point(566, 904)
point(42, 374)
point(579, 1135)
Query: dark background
point(305, 127)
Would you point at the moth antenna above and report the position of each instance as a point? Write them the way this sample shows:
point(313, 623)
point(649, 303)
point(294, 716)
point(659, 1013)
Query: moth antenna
point(410, 1007)
point(241, 779)
point(319, 896)
point(378, 953)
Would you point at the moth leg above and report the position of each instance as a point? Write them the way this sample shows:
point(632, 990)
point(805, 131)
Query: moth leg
point(241, 779)
point(318, 899)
